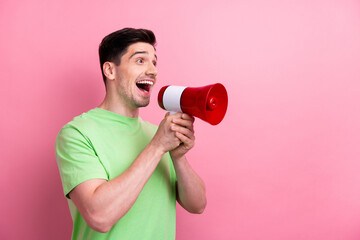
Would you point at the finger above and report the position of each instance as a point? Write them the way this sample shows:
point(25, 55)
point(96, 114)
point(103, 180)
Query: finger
point(177, 141)
point(175, 115)
point(187, 117)
point(190, 118)
point(171, 117)
point(184, 123)
point(185, 131)
point(188, 142)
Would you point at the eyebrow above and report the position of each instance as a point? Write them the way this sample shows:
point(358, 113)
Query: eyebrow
point(141, 52)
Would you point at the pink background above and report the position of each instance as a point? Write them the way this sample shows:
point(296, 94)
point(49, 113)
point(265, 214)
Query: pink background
point(285, 162)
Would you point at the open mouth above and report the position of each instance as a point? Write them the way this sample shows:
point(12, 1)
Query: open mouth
point(144, 85)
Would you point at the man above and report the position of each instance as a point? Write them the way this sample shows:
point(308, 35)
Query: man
point(122, 175)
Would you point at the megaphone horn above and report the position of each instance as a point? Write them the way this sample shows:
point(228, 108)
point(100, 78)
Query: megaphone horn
point(208, 103)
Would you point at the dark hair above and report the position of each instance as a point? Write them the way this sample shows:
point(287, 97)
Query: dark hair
point(115, 45)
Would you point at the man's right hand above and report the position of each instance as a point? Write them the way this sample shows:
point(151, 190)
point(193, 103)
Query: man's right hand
point(165, 138)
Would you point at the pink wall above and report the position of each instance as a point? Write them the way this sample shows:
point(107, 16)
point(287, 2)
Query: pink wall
point(284, 164)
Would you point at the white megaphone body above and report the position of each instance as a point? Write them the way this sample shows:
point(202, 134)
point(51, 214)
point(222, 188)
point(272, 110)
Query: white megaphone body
point(208, 103)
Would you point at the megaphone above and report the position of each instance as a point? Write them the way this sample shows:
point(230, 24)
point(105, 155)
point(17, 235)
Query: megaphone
point(208, 103)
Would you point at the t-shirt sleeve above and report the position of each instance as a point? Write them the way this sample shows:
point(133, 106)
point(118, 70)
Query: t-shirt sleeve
point(76, 158)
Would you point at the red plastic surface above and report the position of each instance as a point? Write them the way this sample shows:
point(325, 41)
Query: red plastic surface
point(160, 97)
point(208, 103)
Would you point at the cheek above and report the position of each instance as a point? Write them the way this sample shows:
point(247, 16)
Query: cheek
point(135, 69)
point(130, 73)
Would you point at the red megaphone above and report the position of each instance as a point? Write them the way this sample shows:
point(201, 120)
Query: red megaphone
point(208, 103)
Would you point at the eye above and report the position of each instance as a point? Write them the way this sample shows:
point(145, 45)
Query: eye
point(140, 60)
point(154, 62)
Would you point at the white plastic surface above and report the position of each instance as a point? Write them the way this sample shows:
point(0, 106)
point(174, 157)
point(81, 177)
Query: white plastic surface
point(172, 97)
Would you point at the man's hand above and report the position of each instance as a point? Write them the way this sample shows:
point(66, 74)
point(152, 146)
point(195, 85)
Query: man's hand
point(175, 134)
point(184, 131)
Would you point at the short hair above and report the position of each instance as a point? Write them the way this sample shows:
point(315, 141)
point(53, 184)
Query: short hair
point(116, 44)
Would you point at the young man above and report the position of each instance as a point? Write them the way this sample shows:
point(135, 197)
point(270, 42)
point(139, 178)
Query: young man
point(122, 175)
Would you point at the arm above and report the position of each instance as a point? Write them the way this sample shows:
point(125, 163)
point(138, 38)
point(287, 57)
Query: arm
point(102, 203)
point(190, 188)
point(191, 193)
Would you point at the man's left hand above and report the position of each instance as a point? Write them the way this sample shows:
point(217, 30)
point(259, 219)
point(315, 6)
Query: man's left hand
point(184, 130)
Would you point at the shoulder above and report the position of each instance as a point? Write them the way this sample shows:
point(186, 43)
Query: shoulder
point(79, 125)
point(149, 126)
point(83, 121)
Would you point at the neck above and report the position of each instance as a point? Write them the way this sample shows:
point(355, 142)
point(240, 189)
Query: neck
point(115, 105)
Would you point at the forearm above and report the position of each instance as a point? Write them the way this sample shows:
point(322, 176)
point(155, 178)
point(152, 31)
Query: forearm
point(103, 203)
point(191, 193)
point(111, 200)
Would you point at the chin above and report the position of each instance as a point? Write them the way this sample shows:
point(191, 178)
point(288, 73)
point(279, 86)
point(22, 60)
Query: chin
point(143, 104)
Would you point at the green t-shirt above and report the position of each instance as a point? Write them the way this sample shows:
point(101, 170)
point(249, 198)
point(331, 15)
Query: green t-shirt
point(103, 144)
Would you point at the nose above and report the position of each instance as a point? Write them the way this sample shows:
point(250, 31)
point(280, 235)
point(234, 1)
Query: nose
point(151, 70)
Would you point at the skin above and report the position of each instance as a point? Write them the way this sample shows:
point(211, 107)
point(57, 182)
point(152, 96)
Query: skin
point(102, 203)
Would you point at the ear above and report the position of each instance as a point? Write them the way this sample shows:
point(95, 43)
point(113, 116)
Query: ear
point(109, 70)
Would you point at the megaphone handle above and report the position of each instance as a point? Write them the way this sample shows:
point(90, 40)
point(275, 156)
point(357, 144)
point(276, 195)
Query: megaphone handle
point(172, 112)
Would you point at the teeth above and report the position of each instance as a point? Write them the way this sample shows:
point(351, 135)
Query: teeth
point(145, 82)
